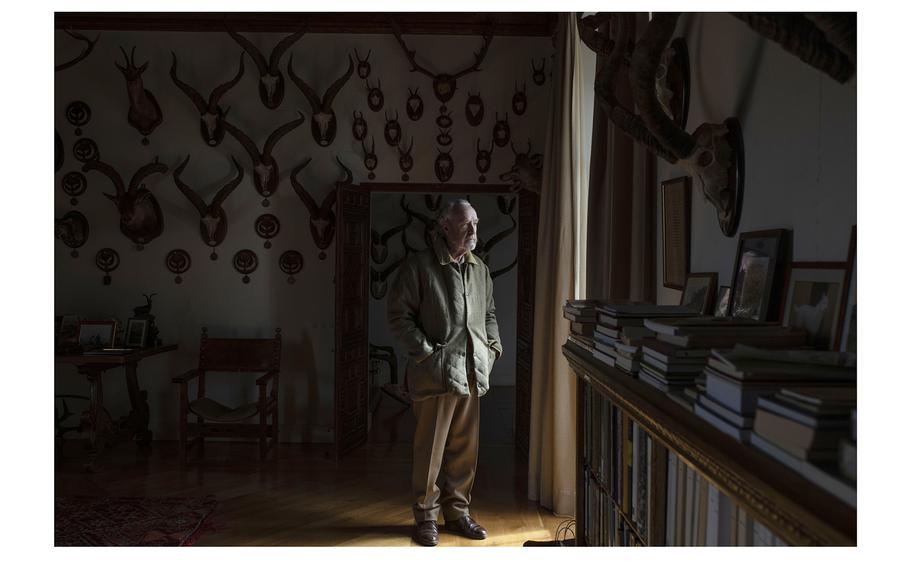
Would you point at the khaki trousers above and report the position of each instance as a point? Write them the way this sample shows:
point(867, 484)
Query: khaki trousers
point(445, 446)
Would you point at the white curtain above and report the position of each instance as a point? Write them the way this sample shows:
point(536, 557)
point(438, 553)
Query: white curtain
point(561, 255)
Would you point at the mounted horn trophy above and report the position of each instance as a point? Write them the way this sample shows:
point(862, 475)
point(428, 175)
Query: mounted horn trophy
point(375, 98)
point(359, 127)
point(520, 100)
point(322, 218)
point(213, 223)
point(86, 50)
point(363, 65)
point(324, 124)
point(429, 225)
point(144, 114)
point(379, 247)
point(379, 278)
point(414, 105)
point(526, 172)
point(444, 166)
point(538, 75)
point(141, 218)
point(406, 161)
point(271, 81)
point(483, 160)
point(502, 134)
point(473, 109)
point(73, 230)
point(392, 131)
point(211, 115)
point(444, 138)
point(370, 159)
point(265, 168)
point(444, 84)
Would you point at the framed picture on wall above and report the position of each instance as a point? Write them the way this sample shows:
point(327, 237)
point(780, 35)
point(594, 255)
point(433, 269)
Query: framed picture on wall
point(847, 337)
point(676, 200)
point(758, 274)
point(699, 292)
point(97, 334)
point(815, 293)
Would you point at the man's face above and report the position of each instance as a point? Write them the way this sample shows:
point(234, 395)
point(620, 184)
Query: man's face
point(461, 229)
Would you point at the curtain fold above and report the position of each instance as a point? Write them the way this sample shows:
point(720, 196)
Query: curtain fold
point(560, 275)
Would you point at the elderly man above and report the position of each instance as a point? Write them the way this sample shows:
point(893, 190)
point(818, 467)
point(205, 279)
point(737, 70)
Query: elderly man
point(441, 311)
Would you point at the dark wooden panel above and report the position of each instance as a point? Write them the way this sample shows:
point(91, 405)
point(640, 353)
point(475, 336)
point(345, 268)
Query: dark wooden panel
point(439, 23)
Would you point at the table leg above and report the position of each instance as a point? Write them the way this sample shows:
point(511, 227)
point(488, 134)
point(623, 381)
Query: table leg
point(96, 407)
point(139, 417)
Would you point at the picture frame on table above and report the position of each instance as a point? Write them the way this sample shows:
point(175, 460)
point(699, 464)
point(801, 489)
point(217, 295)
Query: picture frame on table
point(846, 340)
point(136, 332)
point(97, 334)
point(676, 200)
point(68, 327)
point(758, 274)
point(723, 302)
point(815, 298)
point(699, 291)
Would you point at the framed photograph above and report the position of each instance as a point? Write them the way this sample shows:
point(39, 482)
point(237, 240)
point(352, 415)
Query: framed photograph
point(847, 337)
point(136, 329)
point(97, 334)
point(814, 299)
point(68, 327)
point(699, 292)
point(758, 275)
point(723, 302)
point(676, 199)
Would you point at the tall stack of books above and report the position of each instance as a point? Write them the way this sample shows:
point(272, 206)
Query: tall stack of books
point(582, 316)
point(671, 368)
point(735, 380)
point(620, 330)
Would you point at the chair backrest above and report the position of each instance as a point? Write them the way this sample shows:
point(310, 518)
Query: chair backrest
point(239, 354)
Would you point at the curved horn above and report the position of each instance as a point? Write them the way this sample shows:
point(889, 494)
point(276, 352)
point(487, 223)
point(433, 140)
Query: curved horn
point(126, 58)
point(388, 270)
point(514, 151)
point(90, 45)
point(245, 141)
point(186, 190)
point(220, 90)
point(588, 27)
point(408, 151)
point(337, 85)
point(153, 168)
point(325, 210)
point(283, 46)
point(254, 52)
point(189, 91)
point(348, 176)
point(394, 230)
point(274, 137)
point(109, 171)
point(502, 271)
point(301, 191)
point(495, 239)
point(225, 191)
point(307, 90)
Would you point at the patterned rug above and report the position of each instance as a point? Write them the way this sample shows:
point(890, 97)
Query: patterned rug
point(130, 521)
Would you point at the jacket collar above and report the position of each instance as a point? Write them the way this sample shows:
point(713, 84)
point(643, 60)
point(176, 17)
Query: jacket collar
point(442, 251)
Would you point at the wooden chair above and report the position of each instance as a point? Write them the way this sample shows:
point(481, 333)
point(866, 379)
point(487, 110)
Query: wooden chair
point(217, 420)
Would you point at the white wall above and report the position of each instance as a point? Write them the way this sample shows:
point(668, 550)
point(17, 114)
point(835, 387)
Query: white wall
point(799, 129)
point(212, 293)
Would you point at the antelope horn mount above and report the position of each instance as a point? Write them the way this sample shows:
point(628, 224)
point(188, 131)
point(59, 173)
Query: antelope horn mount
point(86, 50)
point(271, 81)
point(265, 168)
point(213, 223)
point(324, 124)
point(322, 218)
point(211, 115)
point(141, 217)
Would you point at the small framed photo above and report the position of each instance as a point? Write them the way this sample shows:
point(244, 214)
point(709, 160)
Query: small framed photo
point(814, 298)
point(699, 291)
point(97, 334)
point(758, 275)
point(68, 327)
point(136, 329)
point(723, 302)
point(676, 202)
point(847, 337)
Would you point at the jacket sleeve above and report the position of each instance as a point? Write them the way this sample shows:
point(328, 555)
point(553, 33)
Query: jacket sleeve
point(493, 341)
point(404, 313)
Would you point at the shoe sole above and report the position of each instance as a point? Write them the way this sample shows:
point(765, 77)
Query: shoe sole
point(458, 532)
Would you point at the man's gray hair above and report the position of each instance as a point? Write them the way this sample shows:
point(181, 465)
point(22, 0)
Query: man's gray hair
point(450, 207)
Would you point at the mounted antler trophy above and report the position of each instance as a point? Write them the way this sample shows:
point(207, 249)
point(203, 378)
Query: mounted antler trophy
point(444, 166)
point(72, 229)
point(483, 160)
point(324, 123)
point(370, 159)
point(405, 161)
point(213, 223)
point(144, 114)
point(392, 131)
point(211, 115)
point(444, 120)
point(501, 131)
point(379, 248)
point(271, 81)
point(379, 278)
point(506, 204)
point(375, 98)
point(444, 138)
point(473, 109)
point(322, 218)
point(141, 219)
point(444, 85)
point(431, 202)
point(713, 154)
point(538, 75)
point(89, 46)
point(414, 105)
point(363, 65)
point(265, 168)
point(520, 99)
point(359, 127)
point(527, 171)
point(429, 225)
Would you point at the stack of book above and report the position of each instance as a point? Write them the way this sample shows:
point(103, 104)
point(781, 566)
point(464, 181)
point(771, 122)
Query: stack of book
point(620, 330)
point(847, 457)
point(671, 368)
point(735, 380)
point(582, 316)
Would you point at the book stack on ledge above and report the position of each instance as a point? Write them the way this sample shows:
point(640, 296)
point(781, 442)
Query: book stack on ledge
point(620, 330)
point(582, 316)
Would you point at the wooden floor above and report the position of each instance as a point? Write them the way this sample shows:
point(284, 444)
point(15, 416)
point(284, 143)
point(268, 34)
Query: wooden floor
point(305, 498)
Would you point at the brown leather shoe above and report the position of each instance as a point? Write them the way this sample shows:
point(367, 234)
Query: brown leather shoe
point(466, 526)
point(426, 533)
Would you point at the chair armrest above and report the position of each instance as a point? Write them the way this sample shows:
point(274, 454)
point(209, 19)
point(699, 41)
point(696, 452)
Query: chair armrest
point(264, 379)
point(186, 377)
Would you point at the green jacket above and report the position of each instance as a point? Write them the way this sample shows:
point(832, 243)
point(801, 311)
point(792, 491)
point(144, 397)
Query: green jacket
point(433, 312)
